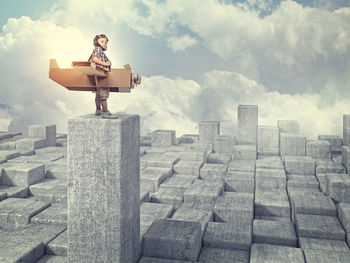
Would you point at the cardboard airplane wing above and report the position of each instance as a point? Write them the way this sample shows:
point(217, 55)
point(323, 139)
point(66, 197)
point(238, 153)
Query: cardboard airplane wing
point(86, 76)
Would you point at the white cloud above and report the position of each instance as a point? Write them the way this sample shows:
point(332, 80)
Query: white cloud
point(181, 43)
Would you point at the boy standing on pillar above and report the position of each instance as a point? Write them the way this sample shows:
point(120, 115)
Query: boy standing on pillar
point(102, 93)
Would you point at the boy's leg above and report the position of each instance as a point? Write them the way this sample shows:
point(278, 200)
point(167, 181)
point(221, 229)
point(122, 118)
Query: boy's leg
point(104, 105)
point(98, 102)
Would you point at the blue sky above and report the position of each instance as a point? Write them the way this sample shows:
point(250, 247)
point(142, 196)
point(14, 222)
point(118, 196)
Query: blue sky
point(198, 59)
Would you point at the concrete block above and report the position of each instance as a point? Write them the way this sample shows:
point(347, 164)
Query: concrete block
point(338, 187)
point(274, 232)
point(104, 185)
point(202, 146)
point(344, 215)
point(244, 151)
point(247, 124)
point(223, 143)
point(9, 154)
point(167, 196)
point(239, 203)
point(330, 166)
point(222, 158)
point(53, 215)
point(292, 144)
point(270, 162)
point(203, 192)
point(178, 181)
point(346, 129)
point(13, 191)
point(50, 190)
point(288, 126)
point(47, 132)
point(318, 256)
point(236, 181)
point(158, 160)
point(191, 155)
point(213, 171)
point(58, 246)
point(303, 165)
point(346, 157)
point(209, 254)
point(311, 204)
point(173, 239)
point(265, 253)
point(323, 244)
point(268, 140)
point(228, 235)
point(209, 207)
point(27, 244)
point(318, 149)
point(37, 158)
point(152, 211)
point(144, 194)
point(16, 212)
point(52, 259)
point(155, 175)
point(335, 141)
point(208, 129)
point(163, 138)
point(273, 180)
point(56, 171)
point(319, 226)
point(30, 144)
point(188, 167)
point(52, 150)
point(302, 181)
point(160, 260)
point(242, 165)
point(22, 174)
point(266, 205)
point(195, 215)
point(188, 138)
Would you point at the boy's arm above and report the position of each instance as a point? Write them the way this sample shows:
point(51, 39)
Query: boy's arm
point(99, 61)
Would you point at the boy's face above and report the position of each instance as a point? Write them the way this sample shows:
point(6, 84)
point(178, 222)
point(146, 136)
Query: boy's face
point(103, 42)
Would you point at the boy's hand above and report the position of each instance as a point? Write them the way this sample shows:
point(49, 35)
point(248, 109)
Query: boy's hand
point(108, 63)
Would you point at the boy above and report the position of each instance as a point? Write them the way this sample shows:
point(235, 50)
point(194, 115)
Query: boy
point(102, 93)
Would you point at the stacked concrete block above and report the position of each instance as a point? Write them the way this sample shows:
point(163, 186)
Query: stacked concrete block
point(292, 144)
point(203, 192)
point(188, 138)
point(154, 176)
point(228, 235)
point(311, 204)
point(270, 162)
point(30, 144)
point(323, 244)
point(329, 166)
point(302, 181)
point(58, 246)
point(149, 212)
point(163, 138)
point(195, 215)
point(188, 167)
point(22, 174)
point(242, 165)
point(178, 181)
point(346, 157)
point(270, 178)
point(271, 203)
point(338, 187)
point(172, 239)
point(236, 181)
point(288, 126)
point(13, 191)
point(53, 215)
point(158, 160)
point(346, 129)
point(16, 213)
point(213, 171)
point(234, 207)
point(268, 140)
point(104, 185)
point(244, 151)
point(264, 253)
point(50, 190)
point(208, 130)
point(335, 141)
point(247, 124)
point(203, 146)
point(222, 158)
point(316, 256)
point(223, 143)
point(344, 218)
point(319, 226)
point(303, 165)
point(47, 132)
point(194, 155)
point(209, 254)
point(168, 196)
point(318, 149)
point(274, 232)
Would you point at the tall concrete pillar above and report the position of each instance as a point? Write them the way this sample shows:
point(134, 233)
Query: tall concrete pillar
point(346, 129)
point(247, 124)
point(103, 189)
